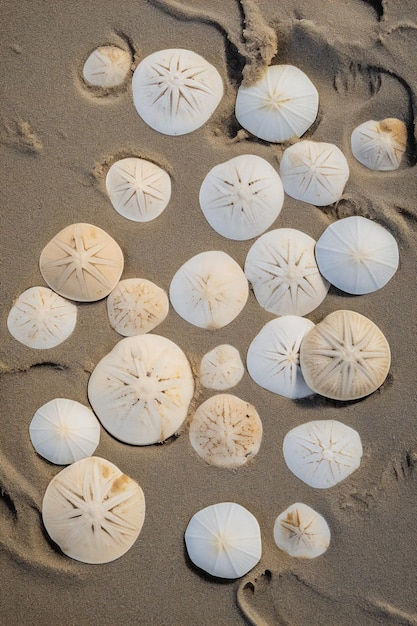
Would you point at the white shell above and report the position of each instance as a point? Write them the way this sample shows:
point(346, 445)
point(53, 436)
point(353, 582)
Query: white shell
point(314, 172)
point(82, 262)
point(107, 66)
point(221, 368)
point(138, 189)
point(357, 255)
point(93, 511)
point(226, 431)
point(380, 145)
point(41, 319)
point(209, 290)
point(273, 358)
point(141, 390)
point(281, 105)
point(321, 453)
point(283, 271)
point(176, 91)
point(301, 532)
point(242, 197)
point(345, 356)
point(136, 306)
point(224, 540)
point(64, 431)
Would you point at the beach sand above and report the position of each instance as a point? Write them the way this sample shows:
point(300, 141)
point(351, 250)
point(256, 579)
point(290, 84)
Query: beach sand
point(57, 140)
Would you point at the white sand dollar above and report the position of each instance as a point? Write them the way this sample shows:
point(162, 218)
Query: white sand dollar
point(64, 431)
point(209, 290)
point(314, 171)
point(322, 453)
point(93, 511)
point(283, 271)
point(301, 532)
point(273, 358)
point(281, 105)
point(242, 197)
point(138, 189)
point(107, 66)
point(357, 255)
point(82, 262)
point(345, 357)
point(221, 368)
point(176, 91)
point(226, 431)
point(380, 145)
point(224, 540)
point(136, 306)
point(142, 389)
point(41, 319)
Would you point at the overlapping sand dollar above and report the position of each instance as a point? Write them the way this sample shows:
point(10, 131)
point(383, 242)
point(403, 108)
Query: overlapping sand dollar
point(301, 532)
point(221, 368)
point(380, 145)
point(136, 306)
point(107, 66)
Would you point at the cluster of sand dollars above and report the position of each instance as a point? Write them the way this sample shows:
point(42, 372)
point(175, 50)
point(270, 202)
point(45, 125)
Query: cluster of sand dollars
point(141, 391)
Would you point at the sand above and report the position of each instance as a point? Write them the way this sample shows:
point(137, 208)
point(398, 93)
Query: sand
point(57, 140)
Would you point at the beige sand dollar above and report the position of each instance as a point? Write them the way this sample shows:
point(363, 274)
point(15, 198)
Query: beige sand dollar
point(136, 306)
point(301, 532)
point(380, 145)
point(107, 66)
point(221, 368)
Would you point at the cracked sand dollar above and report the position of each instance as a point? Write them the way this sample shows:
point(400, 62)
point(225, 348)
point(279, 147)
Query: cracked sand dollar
point(136, 306)
point(322, 453)
point(138, 189)
point(93, 511)
point(209, 290)
point(380, 145)
point(176, 91)
point(345, 357)
point(107, 66)
point(301, 532)
point(282, 269)
point(82, 262)
point(141, 390)
point(226, 431)
point(221, 368)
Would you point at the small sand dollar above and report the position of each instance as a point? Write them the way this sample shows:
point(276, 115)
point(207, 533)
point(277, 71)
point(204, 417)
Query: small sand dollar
point(138, 189)
point(281, 105)
point(345, 357)
point(209, 290)
point(226, 431)
point(41, 319)
point(242, 197)
point(283, 271)
point(136, 306)
point(93, 511)
point(224, 540)
point(82, 262)
point(107, 66)
point(176, 91)
point(314, 172)
point(142, 389)
point(380, 145)
point(301, 532)
point(322, 453)
point(64, 431)
point(221, 368)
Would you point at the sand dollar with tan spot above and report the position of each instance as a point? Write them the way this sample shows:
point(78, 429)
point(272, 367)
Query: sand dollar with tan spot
point(136, 306)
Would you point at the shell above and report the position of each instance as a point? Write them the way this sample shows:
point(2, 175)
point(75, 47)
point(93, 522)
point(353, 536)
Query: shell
point(107, 66)
point(138, 189)
point(322, 453)
point(176, 91)
point(82, 262)
point(224, 540)
point(242, 197)
point(64, 431)
point(283, 271)
point(93, 511)
point(273, 358)
point(136, 306)
point(301, 532)
point(345, 356)
point(226, 431)
point(142, 389)
point(357, 255)
point(314, 172)
point(41, 319)
point(281, 105)
point(209, 290)
point(221, 368)
point(380, 145)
